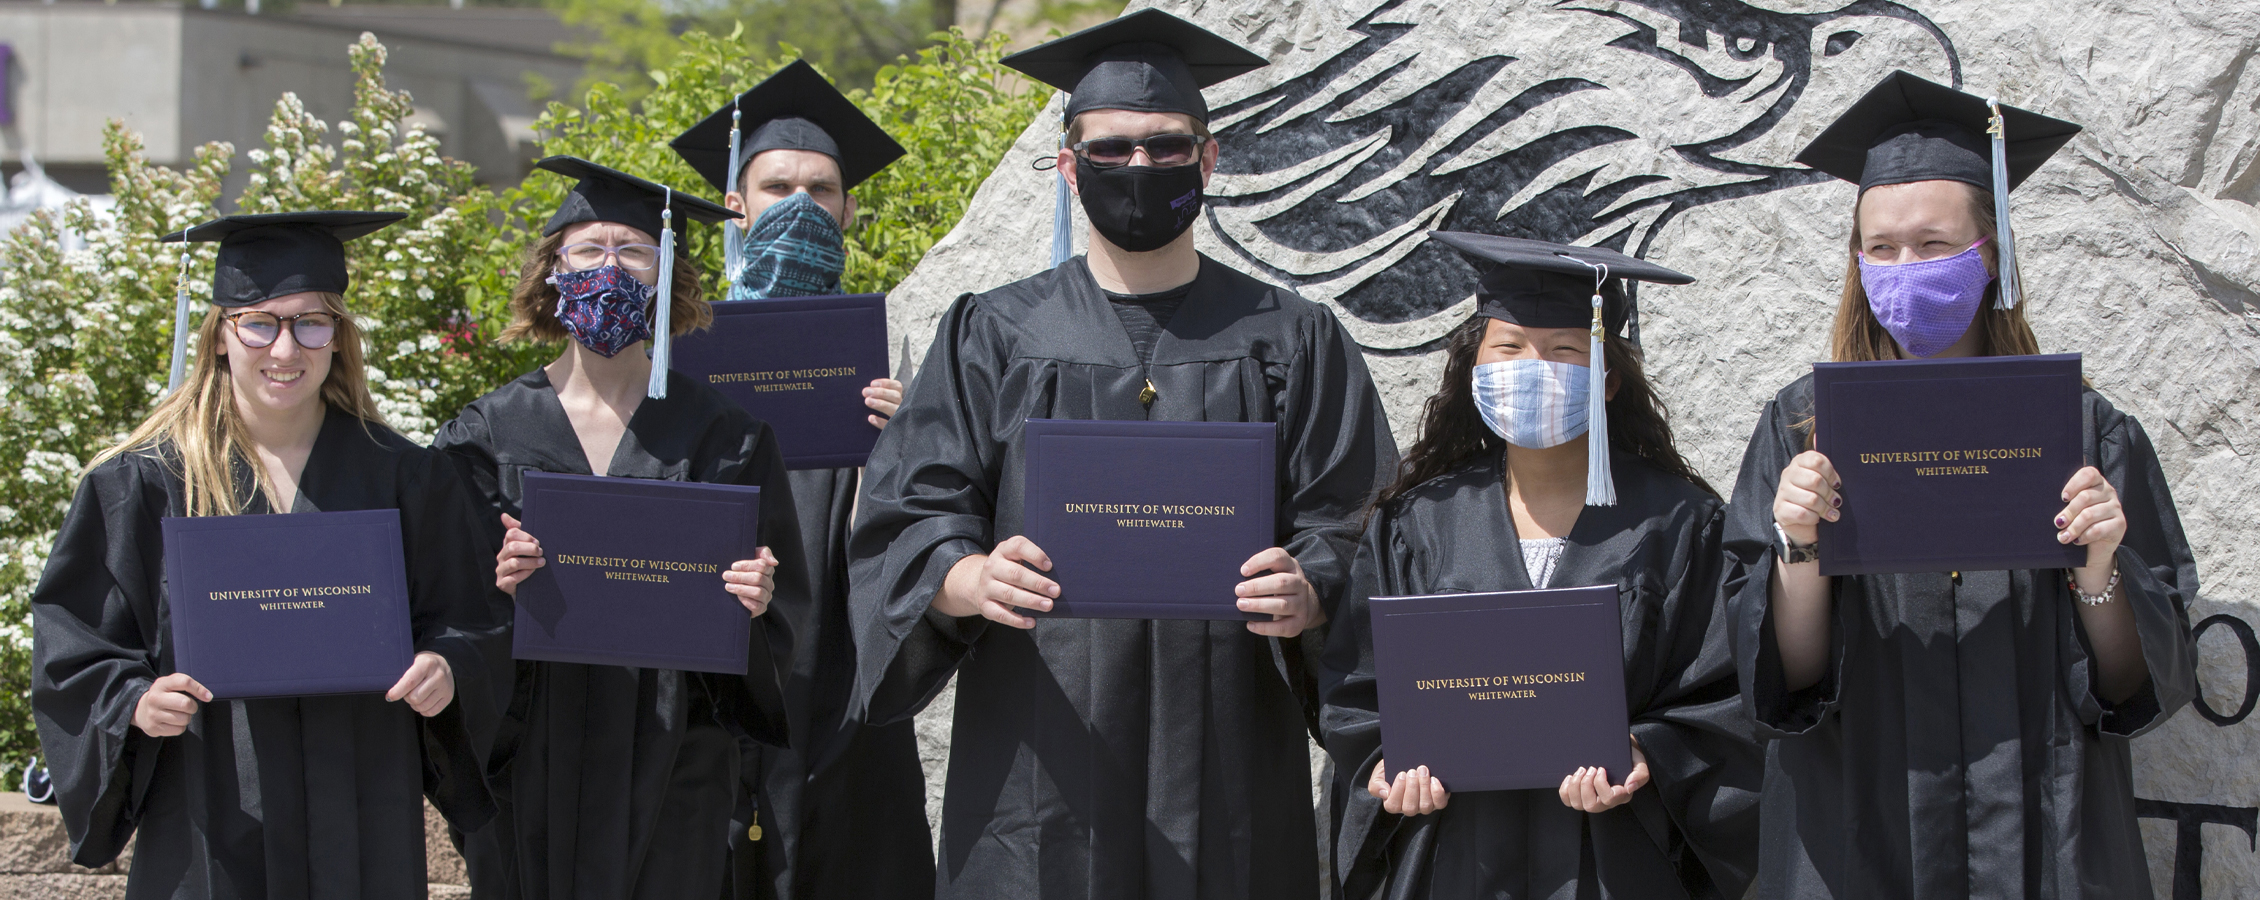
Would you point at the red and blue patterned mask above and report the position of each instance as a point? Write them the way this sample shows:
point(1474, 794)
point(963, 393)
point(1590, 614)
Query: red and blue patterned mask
point(605, 308)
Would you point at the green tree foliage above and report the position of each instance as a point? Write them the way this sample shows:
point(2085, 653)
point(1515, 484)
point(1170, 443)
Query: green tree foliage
point(87, 293)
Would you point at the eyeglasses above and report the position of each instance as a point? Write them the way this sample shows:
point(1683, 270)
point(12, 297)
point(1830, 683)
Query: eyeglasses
point(312, 331)
point(582, 257)
point(1163, 149)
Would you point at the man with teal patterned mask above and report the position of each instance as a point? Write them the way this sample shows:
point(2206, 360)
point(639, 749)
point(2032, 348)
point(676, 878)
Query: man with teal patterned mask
point(786, 154)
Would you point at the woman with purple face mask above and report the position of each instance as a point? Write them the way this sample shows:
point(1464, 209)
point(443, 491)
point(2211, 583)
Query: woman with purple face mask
point(616, 782)
point(1951, 734)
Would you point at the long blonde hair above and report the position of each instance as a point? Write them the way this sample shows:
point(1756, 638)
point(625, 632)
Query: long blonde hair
point(206, 432)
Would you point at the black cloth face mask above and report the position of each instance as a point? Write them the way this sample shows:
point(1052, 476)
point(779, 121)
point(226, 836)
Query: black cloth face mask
point(1140, 208)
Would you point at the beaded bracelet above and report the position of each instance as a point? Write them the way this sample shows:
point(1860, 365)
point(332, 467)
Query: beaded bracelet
point(2073, 580)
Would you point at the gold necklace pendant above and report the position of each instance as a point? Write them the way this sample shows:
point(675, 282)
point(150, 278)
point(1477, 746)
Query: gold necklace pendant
point(1147, 397)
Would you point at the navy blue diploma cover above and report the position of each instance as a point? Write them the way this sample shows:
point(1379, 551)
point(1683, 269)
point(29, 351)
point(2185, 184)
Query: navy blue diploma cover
point(799, 364)
point(1949, 465)
point(1150, 520)
point(634, 573)
point(1502, 691)
point(289, 605)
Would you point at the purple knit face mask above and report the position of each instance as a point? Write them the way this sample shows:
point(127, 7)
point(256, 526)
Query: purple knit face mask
point(1927, 305)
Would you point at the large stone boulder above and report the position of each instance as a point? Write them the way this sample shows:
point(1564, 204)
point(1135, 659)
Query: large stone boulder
point(1667, 129)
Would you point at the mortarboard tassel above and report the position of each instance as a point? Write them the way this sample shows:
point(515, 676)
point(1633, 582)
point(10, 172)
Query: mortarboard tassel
point(1600, 485)
point(733, 235)
point(180, 328)
point(663, 324)
point(1063, 214)
point(2011, 291)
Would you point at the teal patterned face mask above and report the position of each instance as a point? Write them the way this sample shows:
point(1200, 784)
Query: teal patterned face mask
point(793, 249)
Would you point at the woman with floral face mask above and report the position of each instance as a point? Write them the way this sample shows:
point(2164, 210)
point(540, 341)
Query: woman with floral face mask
point(1516, 484)
point(615, 781)
point(1951, 734)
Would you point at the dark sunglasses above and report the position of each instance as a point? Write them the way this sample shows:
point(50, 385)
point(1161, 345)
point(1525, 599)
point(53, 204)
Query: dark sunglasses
point(312, 330)
point(1164, 149)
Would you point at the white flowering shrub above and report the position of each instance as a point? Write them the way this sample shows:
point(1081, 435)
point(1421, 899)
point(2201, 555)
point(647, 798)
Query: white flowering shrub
point(86, 334)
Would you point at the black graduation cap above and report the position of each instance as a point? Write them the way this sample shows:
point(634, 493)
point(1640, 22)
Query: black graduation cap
point(794, 109)
point(610, 195)
point(1148, 61)
point(270, 255)
point(1908, 128)
point(1538, 284)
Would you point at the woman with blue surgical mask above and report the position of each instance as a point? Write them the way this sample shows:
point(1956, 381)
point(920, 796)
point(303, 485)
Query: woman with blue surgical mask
point(1969, 728)
point(1546, 460)
point(616, 781)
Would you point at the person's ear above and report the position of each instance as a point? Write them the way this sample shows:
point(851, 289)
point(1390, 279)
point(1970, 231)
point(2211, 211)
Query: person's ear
point(1065, 165)
point(734, 202)
point(1616, 380)
point(1208, 160)
point(847, 208)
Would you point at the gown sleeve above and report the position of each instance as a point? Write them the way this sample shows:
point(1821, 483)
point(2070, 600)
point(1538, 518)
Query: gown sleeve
point(928, 502)
point(1337, 451)
point(451, 586)
point(1351, 716)
point(466, 442)
point(1703, 764)
point(1748, 582)
point(95, 652)
point(758, 707)
point(2157, 570)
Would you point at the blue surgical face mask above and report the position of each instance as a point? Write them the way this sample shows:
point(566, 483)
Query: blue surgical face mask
point(793, 249)
point(1532, 403)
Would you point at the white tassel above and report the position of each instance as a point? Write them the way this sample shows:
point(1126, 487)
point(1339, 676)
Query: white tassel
point(733, 234)
point(663, 322)
point(180, 328)
point(1600, 485)
point(2012, 292)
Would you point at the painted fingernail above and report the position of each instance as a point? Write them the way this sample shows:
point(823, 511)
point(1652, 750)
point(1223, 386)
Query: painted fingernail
point(2059, 521)
point(1836, 501)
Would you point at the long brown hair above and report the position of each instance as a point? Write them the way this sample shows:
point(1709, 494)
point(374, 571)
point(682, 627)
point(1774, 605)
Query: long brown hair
point(206, 431)
point(533, 304)
point(1859, 336)
point(1452, 432)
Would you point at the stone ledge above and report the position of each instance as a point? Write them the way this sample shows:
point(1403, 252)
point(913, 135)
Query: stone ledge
point(62, 887)
point(34, 852)
point(32, 843)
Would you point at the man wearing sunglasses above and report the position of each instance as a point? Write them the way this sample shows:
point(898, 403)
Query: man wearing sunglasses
point(1115, 757)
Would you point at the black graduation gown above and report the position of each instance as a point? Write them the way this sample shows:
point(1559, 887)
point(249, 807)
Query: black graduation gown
point(1691, 833)
point(288, 797)
point(1956, 745)
point(617, 782)
point(864, 797)
point(1095, 758)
